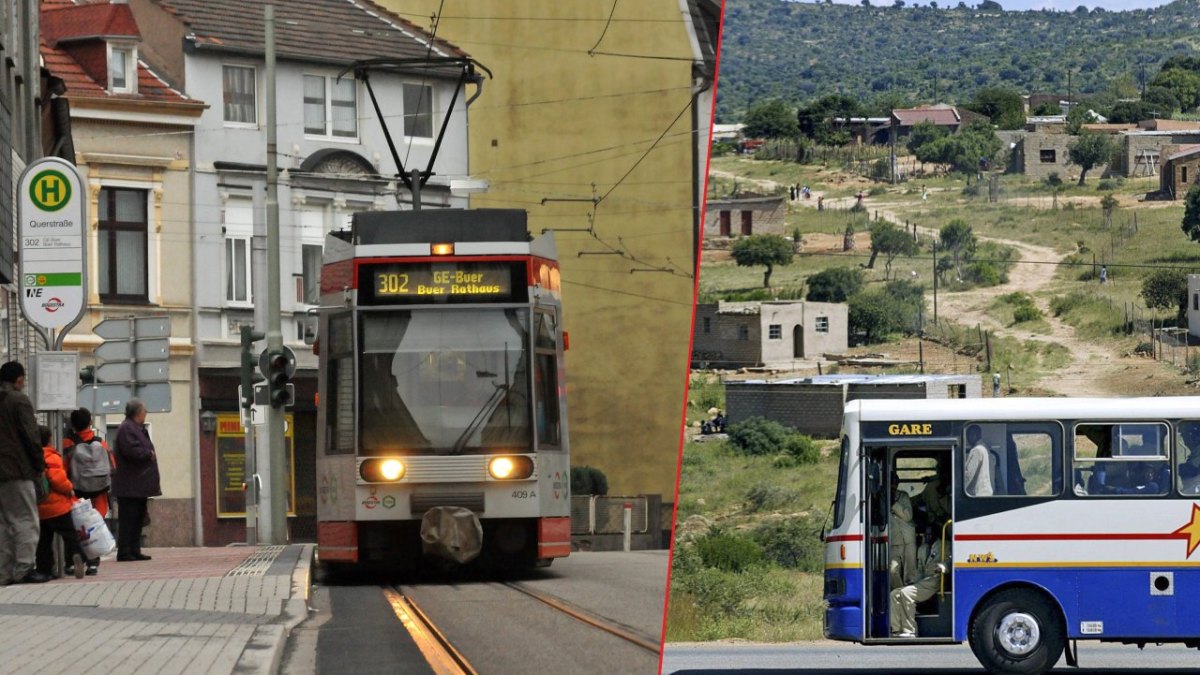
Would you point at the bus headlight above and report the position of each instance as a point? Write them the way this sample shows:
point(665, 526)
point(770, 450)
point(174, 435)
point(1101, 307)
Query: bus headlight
point(381, 470)
point(510, 468)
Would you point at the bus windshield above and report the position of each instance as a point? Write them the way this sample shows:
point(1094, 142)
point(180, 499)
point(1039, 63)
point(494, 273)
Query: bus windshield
point(445, 381)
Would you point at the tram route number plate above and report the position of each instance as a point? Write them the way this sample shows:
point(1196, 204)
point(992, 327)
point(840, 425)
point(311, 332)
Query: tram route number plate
point(442, 280)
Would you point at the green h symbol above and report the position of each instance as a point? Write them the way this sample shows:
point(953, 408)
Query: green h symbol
point(50, 190)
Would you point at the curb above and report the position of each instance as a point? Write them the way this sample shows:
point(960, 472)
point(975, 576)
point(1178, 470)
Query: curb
point(264, 651)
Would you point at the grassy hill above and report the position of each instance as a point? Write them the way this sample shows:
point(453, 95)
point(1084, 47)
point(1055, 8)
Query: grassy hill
point(798, 51)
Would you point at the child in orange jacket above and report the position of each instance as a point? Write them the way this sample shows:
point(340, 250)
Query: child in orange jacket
point(55, 513)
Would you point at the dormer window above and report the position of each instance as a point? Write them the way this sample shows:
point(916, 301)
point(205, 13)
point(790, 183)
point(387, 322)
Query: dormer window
point(122, 69)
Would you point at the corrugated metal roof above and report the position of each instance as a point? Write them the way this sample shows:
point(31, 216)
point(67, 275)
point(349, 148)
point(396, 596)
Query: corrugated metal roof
point(1184, 151)
point(862, 379)
point(332, 31)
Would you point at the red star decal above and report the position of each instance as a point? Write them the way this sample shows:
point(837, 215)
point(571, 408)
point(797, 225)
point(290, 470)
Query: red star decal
point(1191, 531)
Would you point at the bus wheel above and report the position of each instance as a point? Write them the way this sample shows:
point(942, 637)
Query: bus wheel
point(1017, 632)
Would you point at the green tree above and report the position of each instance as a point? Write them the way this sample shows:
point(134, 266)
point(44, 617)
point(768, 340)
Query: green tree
point(1191, 212)
point(990, 6)
point(922, 133)
point(1046, 108)
point(814, 119)
point(963, 150)
point(1184, 84)
point(957, 238)
point(834, 284)
point(1164, 102)
point(1132, 112)
point(1108, 204)
point(1166, 289)
point(770, 119)
point(890, 241)
point(878, 313)
point(1090, 150)
point(763, 249)
point(1003, 106)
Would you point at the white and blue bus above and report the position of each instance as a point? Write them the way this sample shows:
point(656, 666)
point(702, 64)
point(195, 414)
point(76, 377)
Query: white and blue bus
point(1090, 530)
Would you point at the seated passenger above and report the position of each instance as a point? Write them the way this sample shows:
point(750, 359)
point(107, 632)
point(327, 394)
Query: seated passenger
point(902, 542)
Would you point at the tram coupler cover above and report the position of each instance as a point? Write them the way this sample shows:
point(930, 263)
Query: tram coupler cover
point(451, 532)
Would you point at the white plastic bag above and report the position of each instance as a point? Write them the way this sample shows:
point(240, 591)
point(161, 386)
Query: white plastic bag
point(94, 537)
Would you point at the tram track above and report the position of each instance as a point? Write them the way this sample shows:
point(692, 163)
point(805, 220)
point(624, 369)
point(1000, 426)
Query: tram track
point(444, 658)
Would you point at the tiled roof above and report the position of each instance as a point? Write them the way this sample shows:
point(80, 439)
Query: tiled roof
point(65, 24)
point(65, 21)
point(332, 31)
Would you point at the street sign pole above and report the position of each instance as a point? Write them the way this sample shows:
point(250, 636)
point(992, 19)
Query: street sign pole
point(52, 244)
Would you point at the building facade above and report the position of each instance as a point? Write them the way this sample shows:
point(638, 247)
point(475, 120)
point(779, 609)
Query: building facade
point(133, 142)
point(780, 333)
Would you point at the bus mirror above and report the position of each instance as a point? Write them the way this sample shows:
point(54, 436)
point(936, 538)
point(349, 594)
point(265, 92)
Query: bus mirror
point(566, 341)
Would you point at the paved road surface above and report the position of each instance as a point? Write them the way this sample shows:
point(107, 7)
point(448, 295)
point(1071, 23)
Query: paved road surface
point(826, 657)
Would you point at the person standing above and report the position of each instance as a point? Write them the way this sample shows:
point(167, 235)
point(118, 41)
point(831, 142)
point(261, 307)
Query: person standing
point(82, 435)
point(135, 481)
point(55, 514)
point(21, 463)
point(977, 468)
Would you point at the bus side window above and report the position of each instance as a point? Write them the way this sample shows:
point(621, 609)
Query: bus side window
point(1121, 459)
point(1187, 454)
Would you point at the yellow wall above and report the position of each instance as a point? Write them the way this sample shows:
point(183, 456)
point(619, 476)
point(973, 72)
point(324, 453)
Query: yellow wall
point(554, 122)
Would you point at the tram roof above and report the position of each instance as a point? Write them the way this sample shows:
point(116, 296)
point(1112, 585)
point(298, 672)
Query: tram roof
point(1017, 408)
point(433, 225)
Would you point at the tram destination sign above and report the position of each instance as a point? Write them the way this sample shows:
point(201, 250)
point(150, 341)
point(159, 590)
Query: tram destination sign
point(442, 282)
point(51, 219)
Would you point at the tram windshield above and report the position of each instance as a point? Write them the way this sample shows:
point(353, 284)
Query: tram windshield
point(445, 381)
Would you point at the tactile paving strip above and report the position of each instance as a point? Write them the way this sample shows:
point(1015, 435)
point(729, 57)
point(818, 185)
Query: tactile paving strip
point(258, 563)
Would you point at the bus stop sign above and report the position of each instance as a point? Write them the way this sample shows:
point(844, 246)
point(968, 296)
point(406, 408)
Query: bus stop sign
point(51, 219)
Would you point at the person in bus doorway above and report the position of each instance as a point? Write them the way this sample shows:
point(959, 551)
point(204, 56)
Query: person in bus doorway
point(977, 465)
point(902, 604)
point(934, 501)
point(902, 542)
point(135, 481)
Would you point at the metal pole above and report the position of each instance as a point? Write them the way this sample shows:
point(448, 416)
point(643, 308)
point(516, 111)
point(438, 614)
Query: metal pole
point(628, 525)
point(276, 532)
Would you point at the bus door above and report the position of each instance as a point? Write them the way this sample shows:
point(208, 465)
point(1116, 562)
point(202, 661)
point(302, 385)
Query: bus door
point(908, 500)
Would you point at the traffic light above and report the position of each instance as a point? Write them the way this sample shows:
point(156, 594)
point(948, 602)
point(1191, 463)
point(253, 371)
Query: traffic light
point(249, 362)
point(281, 365)
point(87, 375)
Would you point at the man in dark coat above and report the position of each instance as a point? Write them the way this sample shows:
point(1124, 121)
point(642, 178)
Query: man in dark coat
point(135, 481)
point(21, 462)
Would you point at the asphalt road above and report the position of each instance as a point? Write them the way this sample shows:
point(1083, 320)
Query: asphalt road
point(497, 628)
point(828, 657)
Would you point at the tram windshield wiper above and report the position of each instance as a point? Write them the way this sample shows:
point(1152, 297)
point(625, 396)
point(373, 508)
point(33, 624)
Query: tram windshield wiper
point(480, 418)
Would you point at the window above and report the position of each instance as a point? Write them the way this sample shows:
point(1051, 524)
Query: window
point(545, 380)
point(418, 110)
point(339, 386)
point(774, 332)
point(707, 324)
point(1048, 156)
point(239, 231)
point(238, 96)
point(1187, 453)
point(1196, 301)
point(121, 244)
point(311, 269)
point(330, 107)
point(122, 73)
point(238, 283)
point(743, 332)
point(1021, 459)
point(1120, 460)
point(1183, 173)
point(822, 324)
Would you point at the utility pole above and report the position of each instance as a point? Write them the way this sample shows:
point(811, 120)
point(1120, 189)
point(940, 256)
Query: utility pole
point(273, 529)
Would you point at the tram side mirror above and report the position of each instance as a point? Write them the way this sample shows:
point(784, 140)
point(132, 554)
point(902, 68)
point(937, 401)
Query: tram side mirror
point(873, 477)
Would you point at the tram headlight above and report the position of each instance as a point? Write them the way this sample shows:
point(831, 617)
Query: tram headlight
point(382, 470)
point(510, 468)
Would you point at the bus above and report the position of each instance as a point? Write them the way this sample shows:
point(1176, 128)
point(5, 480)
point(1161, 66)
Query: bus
point(441, 414)
point(1059, 520)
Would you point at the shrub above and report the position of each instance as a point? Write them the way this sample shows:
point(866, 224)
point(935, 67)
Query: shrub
point(793, 543)
point(765, 497)
point(971, 190)
point(1144, 349)
point(1061, 304)
point(876, 190)
point(729, 552)
point(587, 480)
point(802, 450)
point(759, 436)
point(1026, 313)
point(983, 273)
point(834, 284)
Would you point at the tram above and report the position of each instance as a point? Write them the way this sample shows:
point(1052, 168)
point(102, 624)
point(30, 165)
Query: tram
point(441, 414)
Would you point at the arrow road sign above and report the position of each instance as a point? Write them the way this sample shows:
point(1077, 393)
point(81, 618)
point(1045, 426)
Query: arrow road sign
point(142, 371)
point(155, 349)
point(144, 327)
point(110, 399)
